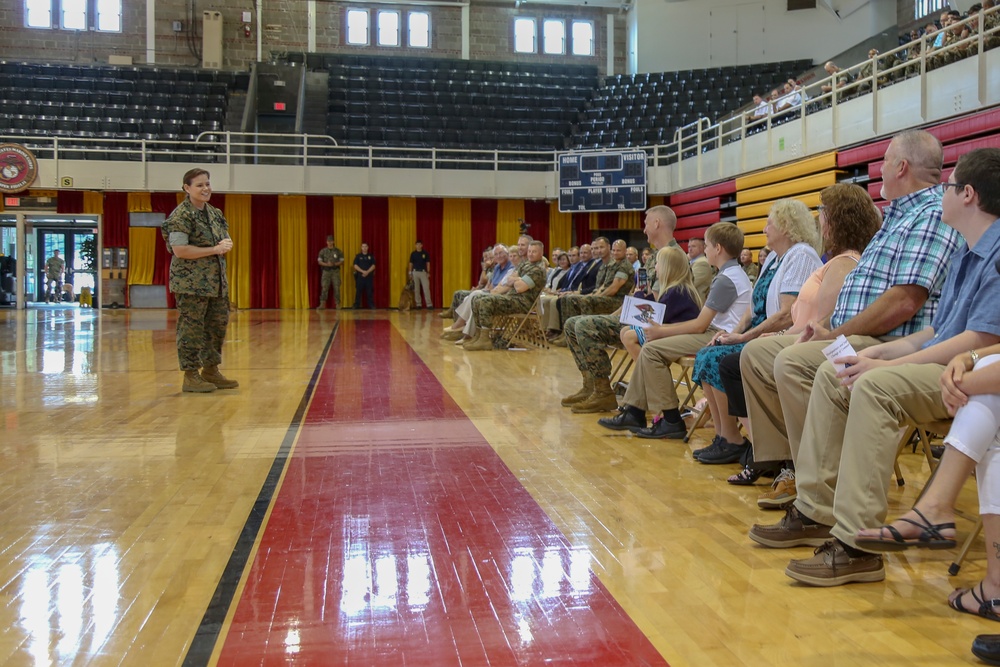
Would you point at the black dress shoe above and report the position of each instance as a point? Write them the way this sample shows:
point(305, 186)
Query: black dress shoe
point(987, 648)
point(723, 451)
point(664, 429)
point(626, 420)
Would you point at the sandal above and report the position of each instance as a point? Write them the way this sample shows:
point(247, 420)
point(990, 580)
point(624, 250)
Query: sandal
point(930, 537)
point(751, 473)
point(987, 608)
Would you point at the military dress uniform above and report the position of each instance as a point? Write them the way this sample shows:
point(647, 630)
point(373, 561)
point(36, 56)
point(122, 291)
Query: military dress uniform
point(486, 307)
point(330, 276)
point(202, 293)
point(54, 267)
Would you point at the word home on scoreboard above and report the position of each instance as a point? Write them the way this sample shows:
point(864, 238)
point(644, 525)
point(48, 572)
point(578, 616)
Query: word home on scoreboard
point(612, 181)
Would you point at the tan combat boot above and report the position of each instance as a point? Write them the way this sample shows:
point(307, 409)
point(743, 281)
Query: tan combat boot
point(480, 343)
point(447, 314)
point(212, 374)
point(560, 341)
point(582, 394)
point(602, 400)
point(193, 382)
point(452, 334)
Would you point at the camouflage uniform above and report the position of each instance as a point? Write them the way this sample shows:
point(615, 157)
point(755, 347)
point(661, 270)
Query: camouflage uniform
point(54, 267)
point(588, 336)
point(573, 305)
point(459, 296)
point(199, 285)
point(488, 306)
point(330, 275)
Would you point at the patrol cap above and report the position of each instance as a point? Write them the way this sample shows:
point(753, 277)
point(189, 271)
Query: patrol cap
point(330, 237)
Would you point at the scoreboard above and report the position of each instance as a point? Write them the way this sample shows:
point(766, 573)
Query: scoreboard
point(606, 181)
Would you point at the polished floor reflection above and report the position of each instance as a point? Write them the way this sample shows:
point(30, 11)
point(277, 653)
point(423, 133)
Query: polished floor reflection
point(416, 504)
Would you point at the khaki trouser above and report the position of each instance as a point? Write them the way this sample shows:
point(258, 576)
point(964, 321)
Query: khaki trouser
point(777, 379)
point(652, 385)
point(549, 312)
point(845, 460)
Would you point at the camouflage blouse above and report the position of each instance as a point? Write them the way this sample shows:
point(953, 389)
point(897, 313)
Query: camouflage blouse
point(205, 276)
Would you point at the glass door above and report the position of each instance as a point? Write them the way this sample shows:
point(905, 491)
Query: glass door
point(78, 251)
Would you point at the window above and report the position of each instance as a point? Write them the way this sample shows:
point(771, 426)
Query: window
point(419, 29)
point(388, 28)
point(524, 35)
point(38, 13)
point(922, 8)
point(74, 14)
point(583, 38)
point(357, 27)
point(553, 36)
point(109, 15)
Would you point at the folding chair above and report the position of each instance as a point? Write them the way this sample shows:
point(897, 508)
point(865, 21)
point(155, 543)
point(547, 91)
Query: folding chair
point(523, 328)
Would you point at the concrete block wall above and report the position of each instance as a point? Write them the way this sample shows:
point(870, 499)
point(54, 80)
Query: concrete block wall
point(285, 28)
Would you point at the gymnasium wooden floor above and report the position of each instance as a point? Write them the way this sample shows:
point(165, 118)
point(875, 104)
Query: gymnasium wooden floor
point(371, 495)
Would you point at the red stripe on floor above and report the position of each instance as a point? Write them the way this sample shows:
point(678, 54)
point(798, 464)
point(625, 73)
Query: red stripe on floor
point(399, 537)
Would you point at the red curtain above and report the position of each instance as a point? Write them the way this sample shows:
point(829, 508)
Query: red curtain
point(69, 201)
point(607, 220)
point(536, 216)
point(375, 232)
point(166, 202)
point(581, 227)
point(484, 232)
point(115, 220)
point(264, 251)
point(319, 225)
point(429, 222)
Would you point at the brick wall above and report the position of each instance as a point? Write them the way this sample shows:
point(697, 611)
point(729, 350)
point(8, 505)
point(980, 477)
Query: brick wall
point(285, 29)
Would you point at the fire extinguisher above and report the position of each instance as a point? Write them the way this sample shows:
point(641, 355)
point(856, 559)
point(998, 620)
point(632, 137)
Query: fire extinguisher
point(246, 30)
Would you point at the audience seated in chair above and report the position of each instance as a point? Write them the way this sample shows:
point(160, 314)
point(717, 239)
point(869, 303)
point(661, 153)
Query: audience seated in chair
point(848, 446)
point(651, 387)
point(702, 271)
point(500, 273)
point(893, 292)
point(613, 281)
point(589, 336)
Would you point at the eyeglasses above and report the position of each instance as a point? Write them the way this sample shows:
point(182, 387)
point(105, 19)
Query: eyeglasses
point(957, 186)
point(820, 208)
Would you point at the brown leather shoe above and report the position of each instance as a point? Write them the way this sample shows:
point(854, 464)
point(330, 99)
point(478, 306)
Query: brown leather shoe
point(791, 531)
point(781, 493)
point(831, 565)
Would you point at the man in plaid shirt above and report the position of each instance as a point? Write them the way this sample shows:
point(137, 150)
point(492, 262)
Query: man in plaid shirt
point(893, 292)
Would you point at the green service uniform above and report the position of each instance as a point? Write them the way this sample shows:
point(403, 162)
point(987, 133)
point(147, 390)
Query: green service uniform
point(199, 285)
point(331, 275)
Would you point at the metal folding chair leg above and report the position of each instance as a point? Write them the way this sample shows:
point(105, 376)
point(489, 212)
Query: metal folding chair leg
point(956, 565)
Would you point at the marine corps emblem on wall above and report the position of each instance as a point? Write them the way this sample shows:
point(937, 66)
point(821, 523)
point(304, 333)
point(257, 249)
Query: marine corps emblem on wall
point(18, 168)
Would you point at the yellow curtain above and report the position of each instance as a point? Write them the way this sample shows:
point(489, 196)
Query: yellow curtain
point(630, 220)
point(93, 203)
point(657, 200)
point(347, 235)
point(560, 227)
point(510, 215)
point(595, 221)
point(402, 236)
point(293, 252)
point(139, 202)
point(141, 254)
point(456, 247)
point(181, 196)
point(237, 211)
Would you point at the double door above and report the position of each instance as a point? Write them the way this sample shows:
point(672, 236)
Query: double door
point(77, 248)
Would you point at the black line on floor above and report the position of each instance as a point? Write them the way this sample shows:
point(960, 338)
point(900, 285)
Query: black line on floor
point(211, 623)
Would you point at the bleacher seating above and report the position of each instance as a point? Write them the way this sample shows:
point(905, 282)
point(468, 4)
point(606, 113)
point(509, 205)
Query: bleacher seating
point(445, 103)
point(646, 109)
point(108, 102)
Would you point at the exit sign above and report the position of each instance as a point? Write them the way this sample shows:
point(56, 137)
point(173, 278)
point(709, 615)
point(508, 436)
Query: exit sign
point(11, 201)
point(279, 106)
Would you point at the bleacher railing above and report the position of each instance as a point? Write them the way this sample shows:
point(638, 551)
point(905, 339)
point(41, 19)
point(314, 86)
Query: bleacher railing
point(691, 141)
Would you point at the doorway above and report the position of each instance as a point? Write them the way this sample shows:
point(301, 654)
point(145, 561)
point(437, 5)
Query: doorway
point(78, 250)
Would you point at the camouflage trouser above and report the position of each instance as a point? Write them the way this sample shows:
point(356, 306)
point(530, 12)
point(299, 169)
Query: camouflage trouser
point(488, 306)
point(588, 337)
point(458, 298)
point(572, 305)
point(201, 328)
point(327, 280)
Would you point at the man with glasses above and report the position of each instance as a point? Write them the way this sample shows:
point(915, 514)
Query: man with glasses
point(893, 292)
point(859, 402)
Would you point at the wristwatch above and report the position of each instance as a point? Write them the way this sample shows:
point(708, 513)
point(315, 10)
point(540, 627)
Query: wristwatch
point(974, 356)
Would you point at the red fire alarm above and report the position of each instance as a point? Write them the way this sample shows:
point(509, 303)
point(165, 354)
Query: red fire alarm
point(279, 106)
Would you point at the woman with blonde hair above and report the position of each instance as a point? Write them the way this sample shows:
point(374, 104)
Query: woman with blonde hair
point(677, 293)
point(794, 238)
